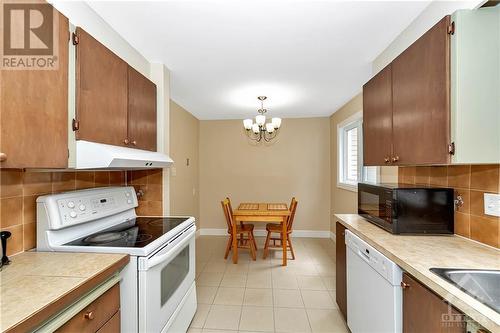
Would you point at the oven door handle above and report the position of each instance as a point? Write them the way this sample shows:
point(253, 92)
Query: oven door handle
point(160, 258)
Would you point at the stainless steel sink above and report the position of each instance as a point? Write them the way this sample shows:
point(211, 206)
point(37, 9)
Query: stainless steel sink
point(483, 285)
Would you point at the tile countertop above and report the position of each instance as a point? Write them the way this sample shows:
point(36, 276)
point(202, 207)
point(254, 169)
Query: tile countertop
point(417, 254)
point(37, 285)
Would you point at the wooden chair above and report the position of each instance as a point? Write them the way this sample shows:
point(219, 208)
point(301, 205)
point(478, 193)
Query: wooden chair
point(241, 223)
point(241, 231)
point(276, 228)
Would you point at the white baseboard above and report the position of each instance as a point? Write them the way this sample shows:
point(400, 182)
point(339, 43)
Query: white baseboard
point(333, 236)
point(262, 232)
point(212, 232)
point(311, 233)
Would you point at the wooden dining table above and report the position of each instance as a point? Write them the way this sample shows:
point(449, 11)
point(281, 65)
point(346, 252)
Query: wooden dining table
point(261, 213)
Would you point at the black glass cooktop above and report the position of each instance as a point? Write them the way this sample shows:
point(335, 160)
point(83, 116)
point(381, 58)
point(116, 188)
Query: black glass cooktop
point(137, 232)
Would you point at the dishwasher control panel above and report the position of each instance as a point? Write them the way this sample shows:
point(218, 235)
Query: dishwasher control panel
point(385, 267)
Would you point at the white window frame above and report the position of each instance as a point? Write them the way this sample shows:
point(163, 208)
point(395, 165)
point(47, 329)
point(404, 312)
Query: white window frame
point(356, 120)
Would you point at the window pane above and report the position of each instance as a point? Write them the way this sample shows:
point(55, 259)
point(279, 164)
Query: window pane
point(370, 174)
point(352, 155)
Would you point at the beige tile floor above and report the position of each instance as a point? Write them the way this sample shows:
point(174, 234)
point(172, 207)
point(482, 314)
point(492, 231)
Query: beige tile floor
point(262, 295)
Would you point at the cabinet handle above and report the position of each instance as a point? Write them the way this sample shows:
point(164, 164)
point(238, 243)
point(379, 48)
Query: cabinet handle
point(404, 285)
point(3, 157)
point(395, 159)
point(134, 143)
point(89, 315)
point(387, 160)
point(126, 141)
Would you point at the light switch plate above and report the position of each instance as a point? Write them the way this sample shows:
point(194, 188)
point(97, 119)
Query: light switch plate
point(492, 204)
point(173, 171)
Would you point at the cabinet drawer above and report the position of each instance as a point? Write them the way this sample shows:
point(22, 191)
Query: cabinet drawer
point(113, 325)
point(96, 314)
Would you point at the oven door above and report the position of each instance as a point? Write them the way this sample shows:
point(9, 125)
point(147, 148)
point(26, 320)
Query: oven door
point(164, 279)
point(375, 204)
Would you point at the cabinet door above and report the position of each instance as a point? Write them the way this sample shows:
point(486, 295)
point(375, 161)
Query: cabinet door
point(475, 79)
point(96, 314)
point(141, 111)
point(341, 271)
point(423, 311)
point(377, 119)
point(34, 112)
point(112, 326)
point(101, 92)
point(421, 99)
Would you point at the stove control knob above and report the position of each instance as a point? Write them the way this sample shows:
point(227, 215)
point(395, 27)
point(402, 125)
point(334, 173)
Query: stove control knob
point(127, 194)
point(129, 201)
point(72, 214)
point(82, 207)
point(71, 204)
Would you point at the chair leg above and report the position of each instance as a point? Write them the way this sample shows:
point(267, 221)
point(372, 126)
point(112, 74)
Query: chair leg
point(266, 245)
point(254, 242)
point(251, 243)
point(228, 246)
point(291, 247)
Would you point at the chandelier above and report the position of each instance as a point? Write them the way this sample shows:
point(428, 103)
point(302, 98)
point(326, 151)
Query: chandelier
point(260, 129)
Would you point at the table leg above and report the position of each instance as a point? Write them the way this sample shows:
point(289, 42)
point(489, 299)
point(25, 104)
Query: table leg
point(235, 242)
point(284, 240)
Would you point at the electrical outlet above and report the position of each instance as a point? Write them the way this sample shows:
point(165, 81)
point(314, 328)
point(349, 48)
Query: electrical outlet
point(492, 204)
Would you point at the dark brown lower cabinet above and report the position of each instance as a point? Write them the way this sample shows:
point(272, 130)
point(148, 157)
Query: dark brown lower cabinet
point(113, 325)
point(341, 269)
point(424, 311)
point(102, 315)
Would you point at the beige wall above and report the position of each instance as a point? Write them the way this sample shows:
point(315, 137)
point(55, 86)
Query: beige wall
point(184, 181)
point(297, 164)
point(434, 12)
point(345, 201)
point(342, 201)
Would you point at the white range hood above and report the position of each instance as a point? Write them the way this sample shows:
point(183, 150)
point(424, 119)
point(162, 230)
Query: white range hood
point(91, 155)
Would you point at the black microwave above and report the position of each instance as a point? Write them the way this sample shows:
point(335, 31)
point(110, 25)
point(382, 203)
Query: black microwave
point(407, 209)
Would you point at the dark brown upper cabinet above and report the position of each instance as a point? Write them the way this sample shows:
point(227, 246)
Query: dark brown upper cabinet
point(421, 99)
point(377, 119)
point(141, 111)
point(115, 104)
point(406, 107)
point(34, 112)
point(424, 311)
point(101, 92)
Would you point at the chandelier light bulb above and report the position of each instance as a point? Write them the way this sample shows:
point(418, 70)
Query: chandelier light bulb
point(270, 127)
point(260, 130)
point(255, 128)
point(247, 123)
point(260, 120)
point(276, 122)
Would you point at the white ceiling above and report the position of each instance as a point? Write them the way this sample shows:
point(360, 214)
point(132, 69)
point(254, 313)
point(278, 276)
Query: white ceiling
point(308, 57)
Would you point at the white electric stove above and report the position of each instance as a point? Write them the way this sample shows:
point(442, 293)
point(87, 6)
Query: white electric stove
point(157, 288)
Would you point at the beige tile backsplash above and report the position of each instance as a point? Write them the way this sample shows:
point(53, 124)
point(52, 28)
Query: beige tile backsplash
point(19, 190)
point(471, 182)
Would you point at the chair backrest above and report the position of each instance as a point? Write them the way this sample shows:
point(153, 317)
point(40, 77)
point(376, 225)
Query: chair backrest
point(291, 217)
point(230, 207)
point(227, 213)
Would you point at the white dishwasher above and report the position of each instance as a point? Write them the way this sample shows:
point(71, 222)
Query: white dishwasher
point(374, 296)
